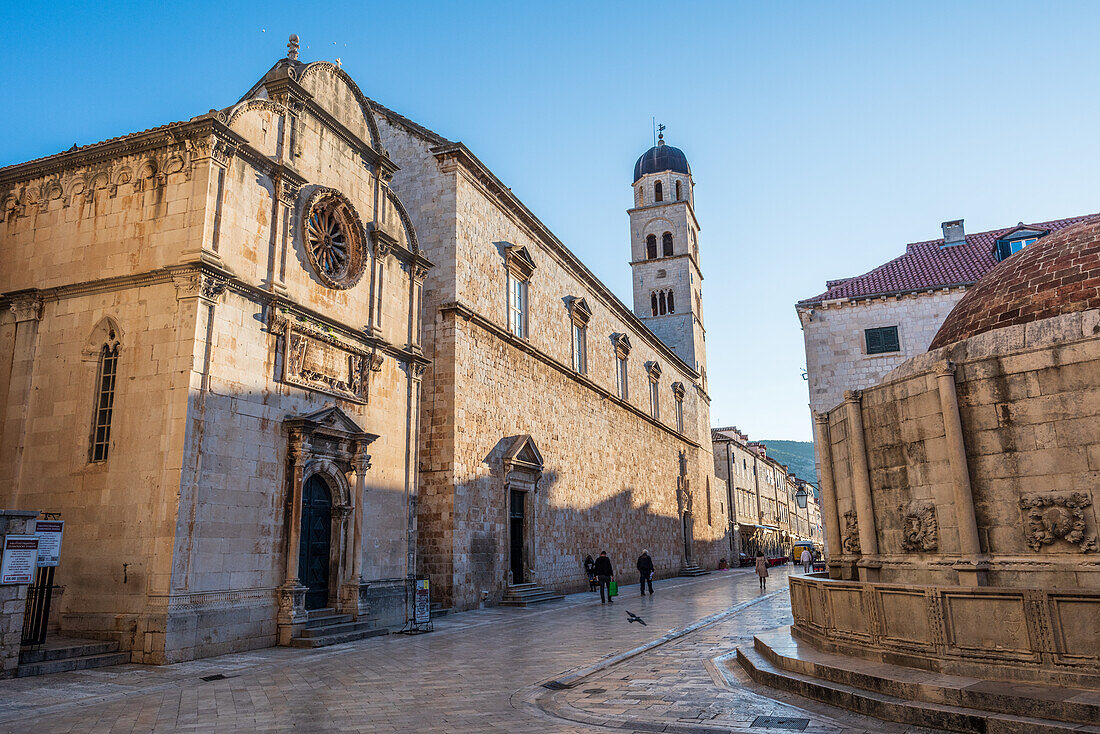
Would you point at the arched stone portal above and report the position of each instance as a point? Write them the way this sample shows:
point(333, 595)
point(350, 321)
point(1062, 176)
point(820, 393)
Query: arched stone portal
point(326, 476)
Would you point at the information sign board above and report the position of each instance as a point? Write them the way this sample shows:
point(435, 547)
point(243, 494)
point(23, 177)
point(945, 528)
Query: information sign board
point(19, 560)
point(49, 541)
point(422, 609)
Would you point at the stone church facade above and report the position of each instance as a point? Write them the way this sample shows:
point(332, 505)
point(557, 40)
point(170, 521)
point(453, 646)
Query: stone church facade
point(283, 357)
point(211, 369)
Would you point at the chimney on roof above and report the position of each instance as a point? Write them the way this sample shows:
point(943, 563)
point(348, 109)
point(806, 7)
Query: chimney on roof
point(953, 233)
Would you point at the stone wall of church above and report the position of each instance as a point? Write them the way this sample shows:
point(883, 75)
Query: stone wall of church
point(611, 470)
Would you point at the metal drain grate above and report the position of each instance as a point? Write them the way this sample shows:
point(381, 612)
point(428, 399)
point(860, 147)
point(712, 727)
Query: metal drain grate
point(556, 686)
point(595, 690)
point(780, 722)
point(216, 676)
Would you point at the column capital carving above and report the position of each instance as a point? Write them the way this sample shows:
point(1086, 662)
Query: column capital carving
point(416, 371)
point(361, 462)
point(821, 417)
point(853, 396)
point(944, 368)
point(26, 307)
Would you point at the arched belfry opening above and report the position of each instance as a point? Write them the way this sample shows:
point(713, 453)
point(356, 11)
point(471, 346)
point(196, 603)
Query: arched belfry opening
point(327, 462)
point(523, 466)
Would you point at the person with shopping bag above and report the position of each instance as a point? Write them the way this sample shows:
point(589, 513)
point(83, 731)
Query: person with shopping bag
point(606, 575)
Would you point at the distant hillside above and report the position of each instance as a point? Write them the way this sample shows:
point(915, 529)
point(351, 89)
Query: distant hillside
point(798, 455)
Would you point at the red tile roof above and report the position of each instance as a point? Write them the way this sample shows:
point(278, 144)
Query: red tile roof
point(929, 265)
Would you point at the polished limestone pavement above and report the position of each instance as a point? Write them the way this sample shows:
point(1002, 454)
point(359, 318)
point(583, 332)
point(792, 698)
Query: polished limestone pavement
point(480, 671)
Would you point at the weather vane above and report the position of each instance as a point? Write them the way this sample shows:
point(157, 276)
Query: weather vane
point(660, 132)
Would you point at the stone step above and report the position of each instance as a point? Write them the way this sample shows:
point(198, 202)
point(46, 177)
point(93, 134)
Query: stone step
point(314, 622)
point(521, 587)
point(322, 612)
point(337, 638)
point(79, 662)
point(439, 611)
point(892, 708)
point(59, 649)
point(788, 653)
point(527, 595)
point(693, 571)
point(334, 629)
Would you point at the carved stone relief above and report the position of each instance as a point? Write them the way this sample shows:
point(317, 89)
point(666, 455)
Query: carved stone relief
point(851, 533)
point(318, 360)
point(1051, 517)
point(920, 531)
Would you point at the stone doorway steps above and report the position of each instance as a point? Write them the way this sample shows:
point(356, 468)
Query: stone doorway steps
point(690, 569)
point(524, 595)
point(918, 697)
point(325, 627)
point(60, 654)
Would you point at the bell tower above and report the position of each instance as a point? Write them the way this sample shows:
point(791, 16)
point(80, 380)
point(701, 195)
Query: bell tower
point(664, 246)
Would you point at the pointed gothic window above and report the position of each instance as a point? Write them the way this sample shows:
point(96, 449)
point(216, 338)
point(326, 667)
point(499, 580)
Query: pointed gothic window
point(662, 307)
point(105, 401)
point(671, 303)
point(666, 244)
point(653, 302)
point(651, 247)
point(677, 191)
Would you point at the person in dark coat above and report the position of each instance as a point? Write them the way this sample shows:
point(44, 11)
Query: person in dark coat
point(605, 574)
point(645, 571)
point(590, 571)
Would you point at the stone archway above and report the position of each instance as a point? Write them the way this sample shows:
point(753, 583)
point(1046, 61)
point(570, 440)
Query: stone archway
point(325, 446)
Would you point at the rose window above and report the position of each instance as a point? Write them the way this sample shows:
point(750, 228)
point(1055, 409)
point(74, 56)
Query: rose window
point(333, 238)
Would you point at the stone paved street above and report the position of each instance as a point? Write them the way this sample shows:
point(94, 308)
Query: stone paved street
point(480, 671)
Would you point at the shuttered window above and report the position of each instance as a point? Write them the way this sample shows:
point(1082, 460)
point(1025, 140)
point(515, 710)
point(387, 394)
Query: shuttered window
point(883, 339)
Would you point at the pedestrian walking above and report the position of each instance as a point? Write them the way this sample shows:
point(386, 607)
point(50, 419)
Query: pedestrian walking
point(762, 569)
point(645, 572)
point(590, 571)
point(807, 560)
point(605, 575)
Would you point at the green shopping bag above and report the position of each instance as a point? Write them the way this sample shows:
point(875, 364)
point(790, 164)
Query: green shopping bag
point(613, 588)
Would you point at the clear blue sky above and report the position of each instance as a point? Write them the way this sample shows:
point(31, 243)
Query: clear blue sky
point(822, 136)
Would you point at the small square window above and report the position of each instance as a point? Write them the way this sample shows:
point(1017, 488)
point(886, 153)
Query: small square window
point(883, 339)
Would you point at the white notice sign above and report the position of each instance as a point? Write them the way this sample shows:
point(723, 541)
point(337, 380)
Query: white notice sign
point(20, 558)
point(49, 541)
point(422, 609)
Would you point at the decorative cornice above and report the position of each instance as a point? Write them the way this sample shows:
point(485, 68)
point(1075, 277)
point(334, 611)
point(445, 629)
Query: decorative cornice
point(523, 345)
point(96, 153)
point(458, 155)
point(187, 272)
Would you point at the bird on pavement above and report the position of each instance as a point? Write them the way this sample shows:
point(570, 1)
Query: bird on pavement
point(632, 617)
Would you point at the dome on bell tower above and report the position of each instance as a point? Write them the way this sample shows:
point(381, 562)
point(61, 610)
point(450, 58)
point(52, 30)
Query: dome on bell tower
point(661, 158)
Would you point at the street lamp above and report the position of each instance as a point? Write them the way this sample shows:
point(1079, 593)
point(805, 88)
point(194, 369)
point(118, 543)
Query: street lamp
point(800, 497)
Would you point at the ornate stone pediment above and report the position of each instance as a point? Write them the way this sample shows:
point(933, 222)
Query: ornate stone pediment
point(1051, 517)
point(519, 261)
point(523, 454)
